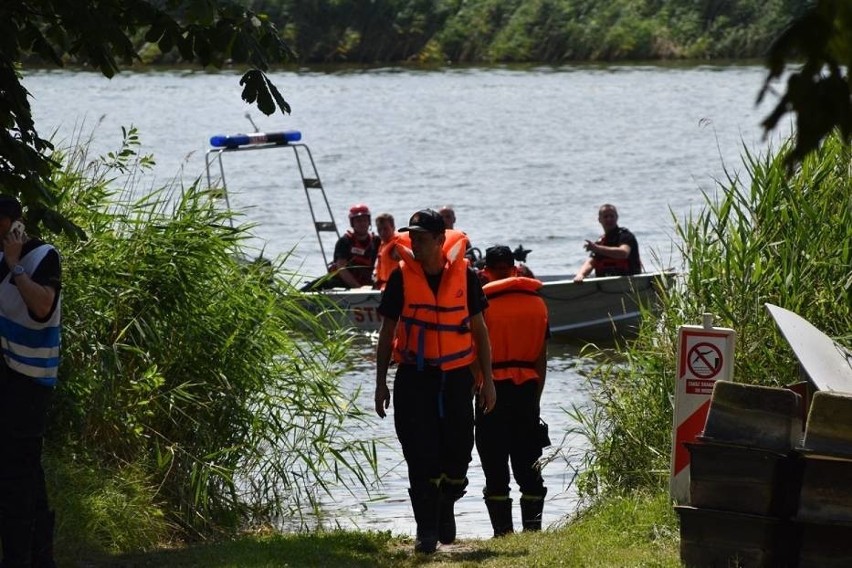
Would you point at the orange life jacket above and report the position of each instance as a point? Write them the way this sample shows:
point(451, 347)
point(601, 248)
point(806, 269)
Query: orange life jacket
point(385, 262)
point(486, 275)
point(517, 326)
point(389, 256)
point(434, 330)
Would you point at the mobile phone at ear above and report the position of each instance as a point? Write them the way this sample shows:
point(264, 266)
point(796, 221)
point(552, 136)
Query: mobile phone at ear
point(17, 229)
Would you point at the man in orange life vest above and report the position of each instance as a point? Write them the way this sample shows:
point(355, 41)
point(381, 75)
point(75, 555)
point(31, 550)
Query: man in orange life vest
point(518, 328)
point(434, 329)
point(387, 259)
point(355, 252)
point(449, 216)
point(616, 253)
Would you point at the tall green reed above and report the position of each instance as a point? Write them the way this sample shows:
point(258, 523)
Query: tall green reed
point(182, 359)
point(762, 237)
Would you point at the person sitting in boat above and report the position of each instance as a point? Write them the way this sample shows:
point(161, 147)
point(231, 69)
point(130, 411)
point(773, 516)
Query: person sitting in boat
point(356, 251)
point(448, 214)
point(388, 258)
point(500, 263)
point(616, 253)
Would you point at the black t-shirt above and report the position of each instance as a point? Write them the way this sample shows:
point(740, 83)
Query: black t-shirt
point(392, 297)
point(622, 236)
point(343, 247)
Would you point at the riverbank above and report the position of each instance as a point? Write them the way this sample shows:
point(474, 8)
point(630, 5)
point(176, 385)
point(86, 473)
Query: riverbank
point(632, 531)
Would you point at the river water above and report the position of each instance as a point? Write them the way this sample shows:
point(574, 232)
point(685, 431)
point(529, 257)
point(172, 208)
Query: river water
point(525, 155)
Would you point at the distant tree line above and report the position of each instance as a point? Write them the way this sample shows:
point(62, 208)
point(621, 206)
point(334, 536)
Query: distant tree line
point(552, 31)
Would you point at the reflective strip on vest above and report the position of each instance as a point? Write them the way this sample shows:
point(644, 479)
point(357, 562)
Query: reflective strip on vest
point(29, 347)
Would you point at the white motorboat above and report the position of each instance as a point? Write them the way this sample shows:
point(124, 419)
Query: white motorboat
point(595, 309)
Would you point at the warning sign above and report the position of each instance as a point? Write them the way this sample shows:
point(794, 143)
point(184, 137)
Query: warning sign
point(704, 360)
point(705, 355)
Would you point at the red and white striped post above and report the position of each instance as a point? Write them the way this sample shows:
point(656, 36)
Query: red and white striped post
point(705, 354)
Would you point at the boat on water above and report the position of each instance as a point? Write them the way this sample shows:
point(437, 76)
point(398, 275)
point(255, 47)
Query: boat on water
point(596, 309)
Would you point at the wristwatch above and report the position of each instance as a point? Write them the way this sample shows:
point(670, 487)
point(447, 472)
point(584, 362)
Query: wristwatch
point(18, 270)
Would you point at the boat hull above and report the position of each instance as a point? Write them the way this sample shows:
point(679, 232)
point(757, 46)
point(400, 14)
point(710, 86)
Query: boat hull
point(595, 309)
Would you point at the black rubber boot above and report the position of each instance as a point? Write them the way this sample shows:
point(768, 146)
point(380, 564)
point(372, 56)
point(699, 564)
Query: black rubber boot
point(425, 506)
point(500, 513)
point(42, 554)
point(450, 493)
point(531, 508)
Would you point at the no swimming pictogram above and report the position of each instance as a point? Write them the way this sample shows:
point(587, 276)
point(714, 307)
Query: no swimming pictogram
point(704, 360)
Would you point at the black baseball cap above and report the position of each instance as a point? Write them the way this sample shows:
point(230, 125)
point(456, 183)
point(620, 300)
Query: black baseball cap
point(425, 221)
point(10, 207)
point(499, 254)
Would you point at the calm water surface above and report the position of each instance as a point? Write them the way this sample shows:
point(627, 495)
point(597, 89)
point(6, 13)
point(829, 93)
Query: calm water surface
point(525, 156)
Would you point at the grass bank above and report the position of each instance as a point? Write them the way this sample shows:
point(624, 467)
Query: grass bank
point(632, 531)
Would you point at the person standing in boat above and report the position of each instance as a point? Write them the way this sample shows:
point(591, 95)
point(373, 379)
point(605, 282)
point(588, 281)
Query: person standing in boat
point(388, 259)
point(448, 214)
point(30, 275)
point(518, 329)
point(433, 328)
point(616, 253)
point(356, 251)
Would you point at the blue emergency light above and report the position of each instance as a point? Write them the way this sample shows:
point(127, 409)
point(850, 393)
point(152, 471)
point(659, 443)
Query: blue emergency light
point(223, 141)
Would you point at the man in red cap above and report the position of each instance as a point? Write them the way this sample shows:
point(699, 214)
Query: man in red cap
point(356, 251)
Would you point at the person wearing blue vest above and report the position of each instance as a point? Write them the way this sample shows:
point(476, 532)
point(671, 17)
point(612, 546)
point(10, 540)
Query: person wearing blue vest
point(433, 328)
point(30, 277)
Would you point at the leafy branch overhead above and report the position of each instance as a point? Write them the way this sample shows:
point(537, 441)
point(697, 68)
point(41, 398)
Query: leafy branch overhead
point(819, 92)
point(106, 35)
point(258, 88)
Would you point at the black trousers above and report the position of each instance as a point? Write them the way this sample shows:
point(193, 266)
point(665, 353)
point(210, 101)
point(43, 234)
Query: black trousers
point(23, 497)
point(433, 417)
point(508, 434)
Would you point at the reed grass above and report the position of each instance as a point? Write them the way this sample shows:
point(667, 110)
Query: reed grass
point(763, 236)
point(199, 374)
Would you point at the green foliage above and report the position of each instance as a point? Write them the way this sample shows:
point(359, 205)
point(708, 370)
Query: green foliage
point(474, 31)
point(356, 32)
point(102, 510)
point(762, 238)
point(819, 91)
point(206, 372)
point(101, 34)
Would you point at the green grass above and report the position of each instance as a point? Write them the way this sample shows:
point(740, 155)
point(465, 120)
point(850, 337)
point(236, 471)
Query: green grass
point(199, 392)
point(618, 532)
point(763, 237)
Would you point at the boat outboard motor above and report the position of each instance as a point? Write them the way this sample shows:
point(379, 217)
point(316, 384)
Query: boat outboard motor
point(521, 253)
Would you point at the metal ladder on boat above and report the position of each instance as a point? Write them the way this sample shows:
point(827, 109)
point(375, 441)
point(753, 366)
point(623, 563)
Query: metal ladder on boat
point(321, 215)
